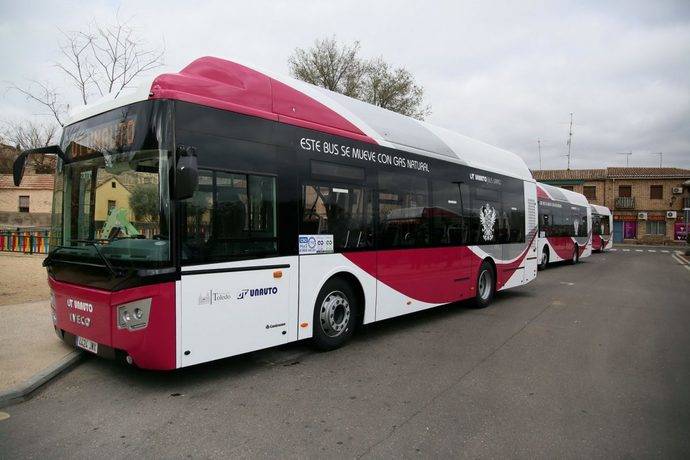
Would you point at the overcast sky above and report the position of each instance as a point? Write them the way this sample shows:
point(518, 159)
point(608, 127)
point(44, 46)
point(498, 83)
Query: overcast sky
point(503, 74)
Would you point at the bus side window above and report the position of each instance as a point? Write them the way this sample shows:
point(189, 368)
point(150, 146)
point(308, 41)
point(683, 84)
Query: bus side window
point(229, 216)
point(343, 211)
point(403, 210)
point(447, 225)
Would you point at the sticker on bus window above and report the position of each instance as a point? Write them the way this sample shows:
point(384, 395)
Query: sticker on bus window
point(315, 244)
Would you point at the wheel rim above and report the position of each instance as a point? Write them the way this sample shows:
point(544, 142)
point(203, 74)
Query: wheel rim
point(334, 314)
point(484, 284)
point(544, 258)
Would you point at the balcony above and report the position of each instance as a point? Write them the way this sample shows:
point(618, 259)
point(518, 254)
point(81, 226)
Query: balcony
point(625, 202)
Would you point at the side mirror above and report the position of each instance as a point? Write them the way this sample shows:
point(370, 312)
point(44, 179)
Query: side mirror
point(20, 162)
point(18, 168)
point(186, 173)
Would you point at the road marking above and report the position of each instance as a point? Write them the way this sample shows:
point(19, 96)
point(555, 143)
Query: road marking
point(626, 250)
point(4, 415)
point(651, 250)
point(664, 251)
point(682, 262)
point(613, 249)
point(567, 283)
point(639, 250)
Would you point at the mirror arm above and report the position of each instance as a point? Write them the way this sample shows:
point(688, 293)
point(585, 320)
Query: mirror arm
point(20, 161)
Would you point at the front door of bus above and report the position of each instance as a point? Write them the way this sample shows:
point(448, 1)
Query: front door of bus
point(233, 296)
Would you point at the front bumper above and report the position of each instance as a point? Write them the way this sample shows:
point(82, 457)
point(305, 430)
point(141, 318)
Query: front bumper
point(92, 314)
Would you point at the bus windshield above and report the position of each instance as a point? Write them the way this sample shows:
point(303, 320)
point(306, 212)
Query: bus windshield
point(111, 204)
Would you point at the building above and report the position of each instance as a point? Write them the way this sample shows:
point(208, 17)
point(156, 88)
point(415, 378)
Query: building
point(111, 194)
point(649, 205)
point(29, 204)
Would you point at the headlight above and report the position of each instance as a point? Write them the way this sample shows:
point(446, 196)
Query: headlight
point(134, 315)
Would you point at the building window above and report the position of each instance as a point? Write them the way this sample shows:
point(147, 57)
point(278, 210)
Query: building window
point(656, 192)
point(625, 191)
point(112, 184)
point(23, 203)
point(590, 192)
point(567, 187)
point(111, 205)
point(656, 227)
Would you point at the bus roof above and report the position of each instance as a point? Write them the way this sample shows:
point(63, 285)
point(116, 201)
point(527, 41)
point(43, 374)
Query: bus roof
point(546, 191)
point(231, 86)
point(602, 210)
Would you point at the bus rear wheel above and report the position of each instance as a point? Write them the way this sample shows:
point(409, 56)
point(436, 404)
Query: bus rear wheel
point(576, 255)
point(335, 315)
point(486, 286)
point(544, 259)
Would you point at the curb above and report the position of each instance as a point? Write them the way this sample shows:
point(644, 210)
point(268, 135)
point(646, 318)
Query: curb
point(19, 392)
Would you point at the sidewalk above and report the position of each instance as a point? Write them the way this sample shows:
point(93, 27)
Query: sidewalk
point(28, 344)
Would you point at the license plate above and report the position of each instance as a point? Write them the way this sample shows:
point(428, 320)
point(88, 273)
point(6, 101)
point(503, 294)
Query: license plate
point(88, 345)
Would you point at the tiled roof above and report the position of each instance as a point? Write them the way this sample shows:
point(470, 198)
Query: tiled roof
point(640, 173)
point(610, 173)
point(569, 174)
point(29, 181)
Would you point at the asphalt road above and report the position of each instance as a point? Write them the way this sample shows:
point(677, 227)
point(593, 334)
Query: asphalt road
point(591, 360)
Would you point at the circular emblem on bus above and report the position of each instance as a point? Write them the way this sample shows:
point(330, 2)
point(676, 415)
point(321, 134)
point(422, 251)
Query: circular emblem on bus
point(312, 242)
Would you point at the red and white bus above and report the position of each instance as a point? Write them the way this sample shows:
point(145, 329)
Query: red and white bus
point(223, 209)
point(602, 223)
point(565, 224)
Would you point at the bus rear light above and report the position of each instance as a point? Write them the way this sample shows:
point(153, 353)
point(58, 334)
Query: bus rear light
point(134, 315)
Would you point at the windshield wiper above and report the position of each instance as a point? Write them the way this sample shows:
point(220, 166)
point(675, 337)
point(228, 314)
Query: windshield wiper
point(107, 263)
point(93, 243)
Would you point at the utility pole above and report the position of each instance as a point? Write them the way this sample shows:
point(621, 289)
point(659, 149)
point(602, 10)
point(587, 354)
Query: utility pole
point(539, 147)
point(627, 157)
point(661, 157)
point(570, 138)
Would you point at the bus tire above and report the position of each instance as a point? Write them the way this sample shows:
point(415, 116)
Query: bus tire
point(486, 285)
point(544, 259)
point(576, 255)
point(335, 315)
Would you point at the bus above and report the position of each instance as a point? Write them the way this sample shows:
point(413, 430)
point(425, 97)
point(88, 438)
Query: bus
point(602, 223)
point(565, 225)
point(224, 209)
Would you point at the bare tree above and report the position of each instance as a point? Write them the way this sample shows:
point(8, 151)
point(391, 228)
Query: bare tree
point(26, 134)
point(45, 95)
point(104, 59)
point(339, 67)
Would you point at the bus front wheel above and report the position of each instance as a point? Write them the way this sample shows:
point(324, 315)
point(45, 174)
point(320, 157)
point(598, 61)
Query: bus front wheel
point(335, 315)
point(544, 258)
point(486, 285)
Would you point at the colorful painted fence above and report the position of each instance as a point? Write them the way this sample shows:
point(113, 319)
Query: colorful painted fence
point(27, 241)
